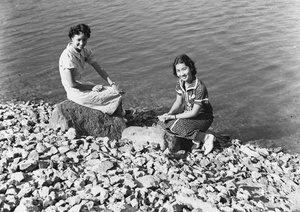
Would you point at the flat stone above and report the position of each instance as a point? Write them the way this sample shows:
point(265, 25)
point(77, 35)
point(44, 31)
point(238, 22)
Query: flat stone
point(145, 135)
point(33, 155)
point(18, 176)
point(148, 181)
point(63, 149)
point(99, 166)
point(129, 181)
point(28, 165)
point(76, 208)
point(73, 200)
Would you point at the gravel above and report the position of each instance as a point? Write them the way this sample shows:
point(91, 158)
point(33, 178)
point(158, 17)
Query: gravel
point(42, 169)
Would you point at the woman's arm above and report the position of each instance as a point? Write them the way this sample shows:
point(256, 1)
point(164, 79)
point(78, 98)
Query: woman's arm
point(176, 105)
point(69, 77)
point(105, 76)
point(186, 115)
point(102, 73)
point(189, 114)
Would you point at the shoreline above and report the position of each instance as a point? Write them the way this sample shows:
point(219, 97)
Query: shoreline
point(51, 170)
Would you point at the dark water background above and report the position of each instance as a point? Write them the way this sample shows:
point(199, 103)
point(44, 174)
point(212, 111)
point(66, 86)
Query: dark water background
point(246, 52)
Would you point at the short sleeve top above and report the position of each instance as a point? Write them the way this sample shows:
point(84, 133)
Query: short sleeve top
point(72, 59)
point(194, 93)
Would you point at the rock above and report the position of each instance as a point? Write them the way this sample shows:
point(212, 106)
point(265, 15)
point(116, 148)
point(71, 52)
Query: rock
point(76, 208)
point(148, 181)
point(114, 179)
point(73, 200)
point(52, 151)
point(26, 206)
point(41, 148)
point(134, 203)
point(24, 190)
point(74, 155)
point(104, 194)
point(145, 135)
point(86, 121)
point(28, 165)
point(44, 192)
point(99, 166)
point(33, 155)
point(128, 181)
point(63, 149)
point(18, 176)
point(71, 133)
point(196, 203)
point(294, 196)
point(249, 152)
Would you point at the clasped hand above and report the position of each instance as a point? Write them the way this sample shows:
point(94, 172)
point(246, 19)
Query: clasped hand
point(117, 89)
point(166, 117)
point(97, 88)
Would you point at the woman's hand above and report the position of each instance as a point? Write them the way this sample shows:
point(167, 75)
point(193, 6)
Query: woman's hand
point(97, 88)
point(117, 89)
point(166, 117)
point(161, 118)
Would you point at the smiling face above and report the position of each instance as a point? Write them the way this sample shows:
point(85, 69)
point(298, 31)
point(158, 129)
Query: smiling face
point(79, 41)
point(184, 72)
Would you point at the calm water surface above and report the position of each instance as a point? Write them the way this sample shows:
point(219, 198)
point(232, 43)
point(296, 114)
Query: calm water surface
point(246, 52)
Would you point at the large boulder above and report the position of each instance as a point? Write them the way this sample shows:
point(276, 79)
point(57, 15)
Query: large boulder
point(141, 136)
point(86, 121)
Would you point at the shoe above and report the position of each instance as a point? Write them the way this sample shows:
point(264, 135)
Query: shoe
point(208, 145)
point(196, 145)
point(128, 115)
point(129, 112)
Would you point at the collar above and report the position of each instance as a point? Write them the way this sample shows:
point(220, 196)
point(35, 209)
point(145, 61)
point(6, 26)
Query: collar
point(73, 50)
point(191, 86)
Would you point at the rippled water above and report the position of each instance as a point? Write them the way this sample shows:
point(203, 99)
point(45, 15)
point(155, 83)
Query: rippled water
point(246, 52)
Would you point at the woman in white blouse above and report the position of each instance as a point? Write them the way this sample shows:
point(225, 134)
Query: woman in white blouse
point(108, 98)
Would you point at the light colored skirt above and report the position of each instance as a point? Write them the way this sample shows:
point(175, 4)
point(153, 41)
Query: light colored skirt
point(107, 100)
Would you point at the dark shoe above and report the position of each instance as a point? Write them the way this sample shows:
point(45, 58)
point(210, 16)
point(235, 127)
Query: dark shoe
point(129, 113)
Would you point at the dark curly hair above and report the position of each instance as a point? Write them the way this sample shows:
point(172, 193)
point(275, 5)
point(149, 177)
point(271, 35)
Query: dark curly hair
point(75, 30)
point(187, 61)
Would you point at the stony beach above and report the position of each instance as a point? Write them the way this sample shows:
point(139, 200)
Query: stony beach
point(42, 169)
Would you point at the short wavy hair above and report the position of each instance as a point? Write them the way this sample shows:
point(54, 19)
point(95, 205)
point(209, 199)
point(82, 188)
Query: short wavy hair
point(75, 30)
point(187, 61)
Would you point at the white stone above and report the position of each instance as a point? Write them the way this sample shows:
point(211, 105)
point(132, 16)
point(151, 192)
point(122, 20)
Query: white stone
point(142, 135)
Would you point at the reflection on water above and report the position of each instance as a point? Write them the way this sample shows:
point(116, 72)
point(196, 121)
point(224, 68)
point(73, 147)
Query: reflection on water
point(246, 52)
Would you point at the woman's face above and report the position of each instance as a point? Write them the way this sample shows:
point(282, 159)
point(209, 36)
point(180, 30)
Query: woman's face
point(184, 72)
point(79, 41)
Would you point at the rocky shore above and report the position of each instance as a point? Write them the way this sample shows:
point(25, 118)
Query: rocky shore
point(42, 169)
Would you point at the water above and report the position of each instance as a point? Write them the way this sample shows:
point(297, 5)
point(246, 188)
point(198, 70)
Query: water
point(246, 52)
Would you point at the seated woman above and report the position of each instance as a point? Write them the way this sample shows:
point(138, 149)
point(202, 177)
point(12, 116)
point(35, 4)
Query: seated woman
point(192, 95)
point(107, 99)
